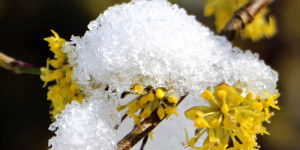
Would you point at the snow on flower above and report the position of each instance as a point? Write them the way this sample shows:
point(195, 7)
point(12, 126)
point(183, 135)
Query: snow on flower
point(150, 44)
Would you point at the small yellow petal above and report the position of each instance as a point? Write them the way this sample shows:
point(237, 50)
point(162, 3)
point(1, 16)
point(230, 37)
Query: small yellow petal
point(55, 34)
point(199, 114)
point(69, 75)
point(161, 113)
point(249, 96)
point(172, 99)
point(73, 87)
point(146, 113)
point(133, 108)
point(150, 97)
point(238, 100)
point(224, 108)
point(215, 123)
point(56, 63)
point(138, 89)
point(257, 106)
point(150, 134)
point(143, 100)
point(209, 9)
point(201, 123)
point(57, 74)
point(191, 114)
point(207, 95)
point(222, 94)
point(170, 110)
point(136, 119)
point(226, 121)
point(160, 93)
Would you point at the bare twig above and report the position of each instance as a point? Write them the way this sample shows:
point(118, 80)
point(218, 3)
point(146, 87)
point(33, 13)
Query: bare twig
point(141, 130)
point(122, 119)
point(242, 17)
point(17, 66)
point(145, 139)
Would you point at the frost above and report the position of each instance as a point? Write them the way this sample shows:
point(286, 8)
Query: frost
point(150, 43)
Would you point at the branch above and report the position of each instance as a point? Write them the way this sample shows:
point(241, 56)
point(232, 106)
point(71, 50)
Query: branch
point(141, 130)
point(243, 16)
point(17, 66)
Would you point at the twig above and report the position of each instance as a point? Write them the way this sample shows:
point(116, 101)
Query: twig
point(141, 130)
point(242, 17)
point(17, 66)
point(145, 139)
point(122, 119)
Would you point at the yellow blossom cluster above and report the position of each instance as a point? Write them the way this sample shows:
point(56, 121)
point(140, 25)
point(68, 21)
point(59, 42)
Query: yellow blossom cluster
point(262, 26)
point(148, 101)
point(63, 91)
point(230, 117)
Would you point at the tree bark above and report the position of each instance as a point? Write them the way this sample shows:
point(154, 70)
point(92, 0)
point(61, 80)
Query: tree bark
point(242, 17)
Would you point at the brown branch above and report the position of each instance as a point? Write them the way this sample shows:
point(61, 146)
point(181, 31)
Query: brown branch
point(242, 17)
point(141, 130)
point(17, 66)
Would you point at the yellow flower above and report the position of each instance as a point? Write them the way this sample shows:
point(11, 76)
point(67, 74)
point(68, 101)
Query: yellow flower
point(161, 113)
point(230, 116)
point(149, 100)
point(160, 93)
point(138, 89)
point(223, 10)
point(63, 91)
point(260, 27)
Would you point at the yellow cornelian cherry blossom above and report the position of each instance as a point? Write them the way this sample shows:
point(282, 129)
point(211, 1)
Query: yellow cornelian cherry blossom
point(150, 100)
point(230, 117)
point(261, 27)
point(108, 60)
point(63, 91)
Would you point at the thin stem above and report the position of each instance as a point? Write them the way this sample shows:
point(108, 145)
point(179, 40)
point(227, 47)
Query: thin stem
point(122, 119)
point(145, 139)
point(17, 66)
point(141, 130)
point(242, 17)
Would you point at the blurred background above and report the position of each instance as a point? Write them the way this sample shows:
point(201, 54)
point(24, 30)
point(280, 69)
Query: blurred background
point(24, 24)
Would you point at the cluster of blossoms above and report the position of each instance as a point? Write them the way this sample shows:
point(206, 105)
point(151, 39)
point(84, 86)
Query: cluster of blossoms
point(230, 116)
point(223, 10)
point(150, 100)
point(64, 91)
point(138, 58)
